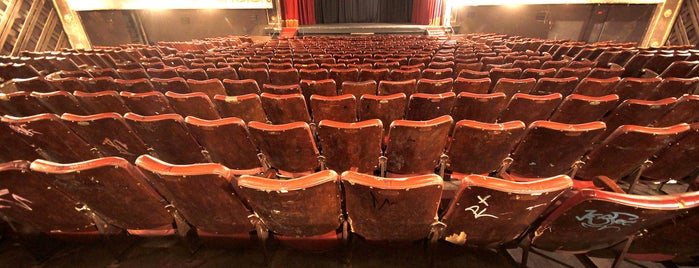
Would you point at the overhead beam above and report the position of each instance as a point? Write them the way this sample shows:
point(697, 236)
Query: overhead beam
point(661, 23)
point(72, 25)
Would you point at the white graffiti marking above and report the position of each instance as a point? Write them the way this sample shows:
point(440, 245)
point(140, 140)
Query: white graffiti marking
point(22, 129)
point(613, 220)
point(13, 200)
point(117, 145)
point(477, 211)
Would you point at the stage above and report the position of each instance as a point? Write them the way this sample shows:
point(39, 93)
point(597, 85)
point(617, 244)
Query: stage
point(368, 28)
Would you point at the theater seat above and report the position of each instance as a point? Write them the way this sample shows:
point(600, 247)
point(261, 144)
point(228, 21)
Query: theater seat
point(247, 107)
point(161, 132)
point(491, 212)
point(142, 213)
point(288, 148)
point(415, 147)
point(351, 146)
point(218, 212)
point(305, 212)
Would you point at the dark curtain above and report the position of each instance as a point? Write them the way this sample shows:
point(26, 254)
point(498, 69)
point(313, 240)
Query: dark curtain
point(363, 11)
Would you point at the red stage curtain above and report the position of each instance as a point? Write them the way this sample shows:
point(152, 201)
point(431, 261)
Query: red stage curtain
point(290, 9)
point(427, 12)
point(307, 12)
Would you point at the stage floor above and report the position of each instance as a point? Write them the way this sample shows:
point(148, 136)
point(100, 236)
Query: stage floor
point(362, 28)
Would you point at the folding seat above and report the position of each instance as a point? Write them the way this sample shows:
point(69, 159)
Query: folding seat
point(636, 88)
point(313, 74)
point(36, 84)
point(478, 86)
point(32, 206)
point(546, 85)
point(511, 86)
point(247, 107)
point(281, 90)
point(436, 74)
point(432, 86)
point(59, 102)
point(21, 103)
point(637, 112)
point(341, 75)
point(406, 87)
point(67, 84)
point(496, 73)
point(684, 111)
point(175, 84)
point(210, 87)
point(481, 148)
point(366, 74)
point(160, 132)
point(441, 65)
point(423, 106)
point(626, 149)
point(173, 61)
point(542, 58)
point(478, 107)
point(418, 59)
point(118, 139)
point(404, 74)
point(634, 64)
point(19, 70)
point(415, 147)
point(493, 60)
point(333, 65)
point(556, 64)
point(337, 108)
point(659, 62)
point(512, 58)
point(132, 74)
point(149, 103)
point(359, 88)
point(260, 75)
point(283, 109)
point(315, 198)
point(603, 73)
point(288, 148)
point(279, 66)
point(604, 58)
point(325, 87)
point(673, 87)
point(254, 65)
point(227, 142)
point(596, 86)
point(97, 84)
point(491, 212)
point(385, 108)
point(420, 66)
point(284, 76)
point(580, 73)
point(680, 69)
point(351, 146)
point(677, 161)
point(669, 240)
point(240, 87)
point(538, 73)
point(597, 219)
point(152, 65)
point(578, 109)
point(470, 74)
point(193, 72)
point(549, 148)
point(307, 66)
point(125, 200)
point(372, 204)
point(222, 73)
point(195, 104)
point(101, 102)
point(576, 64)
point(51, 139)
point(139, 85)
point(473, 66)
point(529, 108)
